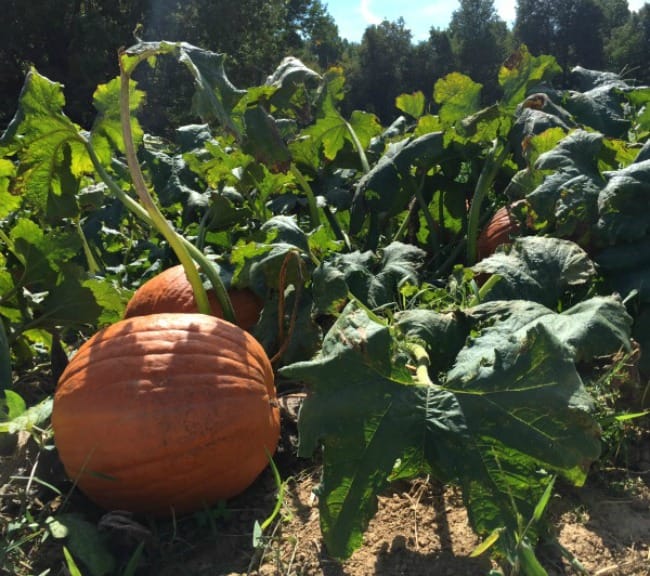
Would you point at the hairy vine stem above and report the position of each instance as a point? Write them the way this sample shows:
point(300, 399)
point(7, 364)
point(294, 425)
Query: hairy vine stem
point(136, 209)
point(159, 221)
point(493, 162)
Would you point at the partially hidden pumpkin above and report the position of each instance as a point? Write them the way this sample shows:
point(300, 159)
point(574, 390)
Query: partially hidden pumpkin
point(502, 228)
point(170, 291)
point(166, 413)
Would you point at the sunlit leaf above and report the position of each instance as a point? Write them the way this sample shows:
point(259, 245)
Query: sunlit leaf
point(107, 129)
point(522, 71)
point(458, 96)
point(412, 104)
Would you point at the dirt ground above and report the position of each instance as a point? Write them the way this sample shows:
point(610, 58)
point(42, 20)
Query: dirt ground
point(420, 529)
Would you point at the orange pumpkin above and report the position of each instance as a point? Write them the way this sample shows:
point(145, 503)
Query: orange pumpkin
point(170, 291)
point(166, 413)
point(502, 228)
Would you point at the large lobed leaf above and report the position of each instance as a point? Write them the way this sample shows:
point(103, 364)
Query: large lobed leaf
point(510, 412)
point(537, 268)
point(372, 278)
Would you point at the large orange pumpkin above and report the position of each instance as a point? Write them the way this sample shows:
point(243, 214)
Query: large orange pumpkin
point(170, 291)
point(166, 413)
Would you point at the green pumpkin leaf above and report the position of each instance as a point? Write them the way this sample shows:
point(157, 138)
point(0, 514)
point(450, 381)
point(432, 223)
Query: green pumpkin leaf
point(263, 140)
point(9, 202)
point(537, 268)
point(624, 205)
point(107, 129)
point(373, 279)
point(411, 104)
point(521, 72)
point(458, 95)
point(29, 418)
point(76, 302)
point(512, 406)
point(50, 149)
point(384, 190)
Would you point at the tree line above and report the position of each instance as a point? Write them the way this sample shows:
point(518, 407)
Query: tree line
point(75, 42)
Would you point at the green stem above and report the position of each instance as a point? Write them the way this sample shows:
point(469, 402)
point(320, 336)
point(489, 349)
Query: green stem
point(484, 290)
point(311, 199)
point(5, 361)
point(357, 144)
point(336, 227)
point(422, 364)
point(93, 266)
point(490, 169)
point(159, 221)
point(433, 234)
point(280, 496)
point(205, 264)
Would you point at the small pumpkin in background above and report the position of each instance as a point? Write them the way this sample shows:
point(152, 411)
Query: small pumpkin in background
point(166, 413)
point(502, 228)
point(171, 291)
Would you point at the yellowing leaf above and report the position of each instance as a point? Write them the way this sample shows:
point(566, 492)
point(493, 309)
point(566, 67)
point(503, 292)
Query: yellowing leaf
point(458, 96)
point(412, 104)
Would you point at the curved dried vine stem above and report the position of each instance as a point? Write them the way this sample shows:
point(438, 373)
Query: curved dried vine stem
point(281, 301)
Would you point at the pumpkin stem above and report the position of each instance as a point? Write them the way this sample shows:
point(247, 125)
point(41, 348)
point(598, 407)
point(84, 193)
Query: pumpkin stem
point(422, 363)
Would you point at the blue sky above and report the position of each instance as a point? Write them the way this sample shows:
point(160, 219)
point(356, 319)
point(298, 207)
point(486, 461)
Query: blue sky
point(353, 16)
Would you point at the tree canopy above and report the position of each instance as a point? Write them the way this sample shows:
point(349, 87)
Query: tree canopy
point(75, 42)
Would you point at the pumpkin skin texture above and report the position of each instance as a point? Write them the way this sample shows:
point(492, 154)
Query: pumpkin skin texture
point(170, 291)
point(166, 413)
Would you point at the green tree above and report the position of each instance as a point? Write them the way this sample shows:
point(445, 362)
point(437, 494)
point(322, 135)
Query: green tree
point(480, 41)
point(319, 36)
point(430, 60)
point(629, 45)
point(534, 25)
point(384, 55)
point(615, 12)
point(72, 41)
point(75, 42)
point(570, 30)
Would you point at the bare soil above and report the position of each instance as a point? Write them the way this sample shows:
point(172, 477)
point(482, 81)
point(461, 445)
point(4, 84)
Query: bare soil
point(421, 527)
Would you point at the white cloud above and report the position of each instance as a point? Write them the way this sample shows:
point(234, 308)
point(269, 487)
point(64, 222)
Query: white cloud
point(367, 14)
